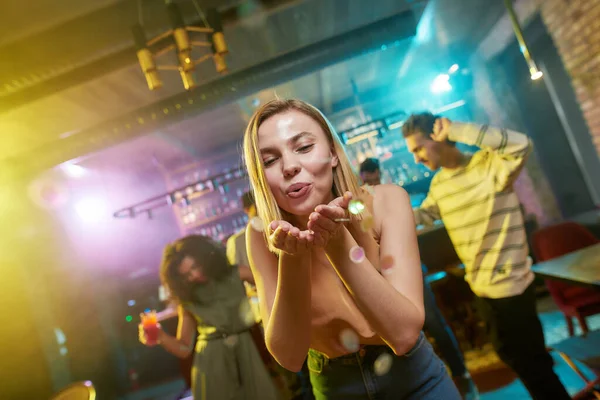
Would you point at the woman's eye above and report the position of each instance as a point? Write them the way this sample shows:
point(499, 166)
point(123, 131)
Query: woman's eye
point(268, 162)
point(306, 148)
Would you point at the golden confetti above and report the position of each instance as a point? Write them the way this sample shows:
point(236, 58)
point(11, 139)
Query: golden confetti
point(367, 223)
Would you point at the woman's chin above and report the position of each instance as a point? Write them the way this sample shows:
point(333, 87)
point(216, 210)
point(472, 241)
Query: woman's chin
point(301, 210)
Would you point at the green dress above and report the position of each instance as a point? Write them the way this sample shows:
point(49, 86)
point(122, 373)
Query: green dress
point(227, 365)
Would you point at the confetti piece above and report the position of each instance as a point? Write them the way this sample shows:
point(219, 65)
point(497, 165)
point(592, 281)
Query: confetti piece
point(245, 313)
point(342, 220)
point(383, 364)
point(48, 194)
point(367, 223)
point(357, 254)
point(257, 224)
point(387, 263)
point(356, 207)
point(231, 340)
point(349, 340)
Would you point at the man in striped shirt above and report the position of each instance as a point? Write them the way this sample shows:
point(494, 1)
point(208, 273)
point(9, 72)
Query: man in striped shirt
point(474, 197)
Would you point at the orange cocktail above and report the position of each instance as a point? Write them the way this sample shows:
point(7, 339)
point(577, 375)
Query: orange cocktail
point(150, 326)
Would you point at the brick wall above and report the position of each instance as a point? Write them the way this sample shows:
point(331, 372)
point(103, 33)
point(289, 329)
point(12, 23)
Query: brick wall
point(575, 28)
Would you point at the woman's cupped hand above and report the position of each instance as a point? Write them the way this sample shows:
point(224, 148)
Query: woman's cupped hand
point(328, 219)
point(290, 239)
point(324, 223)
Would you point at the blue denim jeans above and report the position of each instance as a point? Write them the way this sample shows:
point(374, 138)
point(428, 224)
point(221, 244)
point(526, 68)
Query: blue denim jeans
point(417, 375)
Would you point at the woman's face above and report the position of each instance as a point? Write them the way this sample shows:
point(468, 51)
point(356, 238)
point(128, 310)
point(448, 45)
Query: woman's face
point(298, 160)
point(191, 271)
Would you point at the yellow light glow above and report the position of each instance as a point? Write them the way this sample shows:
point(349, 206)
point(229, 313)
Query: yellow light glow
point(536, 75)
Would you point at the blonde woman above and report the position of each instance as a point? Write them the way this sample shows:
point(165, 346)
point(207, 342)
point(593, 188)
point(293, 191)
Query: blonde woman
point(344, 289)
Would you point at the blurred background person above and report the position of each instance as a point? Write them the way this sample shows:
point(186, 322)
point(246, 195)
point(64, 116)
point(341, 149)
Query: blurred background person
point(370, 172)
point(236, 253)
point(435, 323)
point(473, 196)
point(211, 299)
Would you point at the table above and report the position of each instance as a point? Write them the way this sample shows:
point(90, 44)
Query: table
point(580, 267)
point(435, 248)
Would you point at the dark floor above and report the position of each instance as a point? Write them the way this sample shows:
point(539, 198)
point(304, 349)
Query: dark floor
point(555, 330)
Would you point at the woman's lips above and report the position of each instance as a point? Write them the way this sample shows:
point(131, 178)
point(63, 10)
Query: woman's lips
point(297, 194)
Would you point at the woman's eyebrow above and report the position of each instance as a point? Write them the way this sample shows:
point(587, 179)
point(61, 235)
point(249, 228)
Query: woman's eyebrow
point(291, 140)
point(299, 136)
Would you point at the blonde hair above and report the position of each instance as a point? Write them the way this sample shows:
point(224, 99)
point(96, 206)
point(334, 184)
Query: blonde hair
point(344, 178)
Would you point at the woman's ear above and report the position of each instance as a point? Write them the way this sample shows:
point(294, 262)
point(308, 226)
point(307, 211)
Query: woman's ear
point(334, 159)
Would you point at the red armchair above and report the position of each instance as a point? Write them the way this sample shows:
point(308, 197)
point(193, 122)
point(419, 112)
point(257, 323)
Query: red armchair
point(574, 301)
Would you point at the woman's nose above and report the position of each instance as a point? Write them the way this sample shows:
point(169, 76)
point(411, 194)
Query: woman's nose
point(290, 168)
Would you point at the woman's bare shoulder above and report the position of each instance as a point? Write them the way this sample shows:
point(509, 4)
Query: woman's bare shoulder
point(387, 195)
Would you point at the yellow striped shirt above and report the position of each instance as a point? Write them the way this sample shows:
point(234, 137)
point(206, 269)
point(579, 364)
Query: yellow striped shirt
point(481, 212)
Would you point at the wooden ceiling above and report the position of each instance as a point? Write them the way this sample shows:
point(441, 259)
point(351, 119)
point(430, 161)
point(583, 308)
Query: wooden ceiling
point(45, 113)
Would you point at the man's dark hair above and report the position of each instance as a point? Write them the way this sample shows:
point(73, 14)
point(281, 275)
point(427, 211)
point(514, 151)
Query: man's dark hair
point(369, 165)
point(419, 123)
point(247, 200)
point(207, 253)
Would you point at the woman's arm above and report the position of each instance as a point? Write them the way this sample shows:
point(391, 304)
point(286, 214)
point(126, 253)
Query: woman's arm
point(509, 149)
point(392, 302)
point(182, 345)
point(283, 288)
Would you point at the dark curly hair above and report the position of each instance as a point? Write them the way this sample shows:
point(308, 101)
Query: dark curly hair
point(208, 254)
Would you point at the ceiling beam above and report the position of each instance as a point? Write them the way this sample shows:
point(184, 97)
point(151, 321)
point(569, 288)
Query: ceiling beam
point(366, 39)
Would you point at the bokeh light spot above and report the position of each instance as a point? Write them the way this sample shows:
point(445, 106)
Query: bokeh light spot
point(349, 340)
point(367, 223)
point(245, 313)
point(383, 364)
point(231, 340)
point(357, 254)
point(257, 224)
point(356, 207)
point(387, 263)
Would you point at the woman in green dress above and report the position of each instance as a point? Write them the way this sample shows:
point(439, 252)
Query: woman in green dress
point(211, 298)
